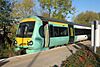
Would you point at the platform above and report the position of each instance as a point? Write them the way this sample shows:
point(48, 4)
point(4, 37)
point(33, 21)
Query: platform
point(47, 58)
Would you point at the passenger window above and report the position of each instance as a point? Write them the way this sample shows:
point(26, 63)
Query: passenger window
point(51, 30)
point(54, 31)
point(58, 31)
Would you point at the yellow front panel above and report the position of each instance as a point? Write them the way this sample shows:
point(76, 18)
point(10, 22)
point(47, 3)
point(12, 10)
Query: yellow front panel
point(23, 41)
point(28, 19)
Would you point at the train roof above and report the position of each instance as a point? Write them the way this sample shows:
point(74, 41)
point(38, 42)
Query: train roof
point(54, 20)
point(60, 21)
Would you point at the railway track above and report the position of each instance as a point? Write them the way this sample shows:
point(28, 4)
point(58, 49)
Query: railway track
point(45, 58)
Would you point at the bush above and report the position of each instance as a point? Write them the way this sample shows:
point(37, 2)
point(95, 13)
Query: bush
point(82, 58)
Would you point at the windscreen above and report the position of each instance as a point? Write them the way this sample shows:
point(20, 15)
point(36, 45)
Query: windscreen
point(25, 29)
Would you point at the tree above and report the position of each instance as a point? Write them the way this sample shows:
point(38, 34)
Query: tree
point(57, 8)
point(5, 20)
point(99, 16)
point(22, 9)
point(86, 18)
point(5, 10)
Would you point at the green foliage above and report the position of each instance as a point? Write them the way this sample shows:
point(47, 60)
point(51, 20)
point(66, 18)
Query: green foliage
point(86, 18)
point(6, 52)
point(22, 9)
point(6, 47)
point(99, 15)
point(57, 8)
point(98, 51)
point(98, 55)
point(5, 9)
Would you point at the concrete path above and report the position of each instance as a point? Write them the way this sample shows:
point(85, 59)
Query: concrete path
point(47, 58)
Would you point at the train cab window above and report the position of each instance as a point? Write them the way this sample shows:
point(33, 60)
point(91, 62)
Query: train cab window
point(41, 31)
point(25, 29)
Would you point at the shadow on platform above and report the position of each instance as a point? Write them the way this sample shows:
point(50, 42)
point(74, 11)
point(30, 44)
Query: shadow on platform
point(33, 60)
point(3, 62)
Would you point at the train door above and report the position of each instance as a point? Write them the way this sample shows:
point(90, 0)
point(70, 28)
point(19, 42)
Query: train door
point(46, 34)
point(71, 34)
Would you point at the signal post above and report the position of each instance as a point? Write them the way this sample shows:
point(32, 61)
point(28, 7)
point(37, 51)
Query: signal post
point(95, 35)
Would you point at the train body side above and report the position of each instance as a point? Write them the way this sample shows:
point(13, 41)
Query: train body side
point(46, 34)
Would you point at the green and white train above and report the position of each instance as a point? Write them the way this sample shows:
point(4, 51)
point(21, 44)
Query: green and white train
point(36, 33)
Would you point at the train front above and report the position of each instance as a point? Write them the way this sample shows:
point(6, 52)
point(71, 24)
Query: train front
point(23, 38)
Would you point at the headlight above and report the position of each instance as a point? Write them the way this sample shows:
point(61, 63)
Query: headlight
point(15, 43)
point(30, 43)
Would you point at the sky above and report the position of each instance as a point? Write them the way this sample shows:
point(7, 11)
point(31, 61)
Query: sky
point(80, 5)
point(85, 5)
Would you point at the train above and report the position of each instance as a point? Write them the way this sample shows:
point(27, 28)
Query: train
point(37, 33)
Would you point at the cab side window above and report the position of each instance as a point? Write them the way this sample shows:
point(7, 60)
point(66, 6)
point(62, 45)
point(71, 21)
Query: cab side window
point(41, 31)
